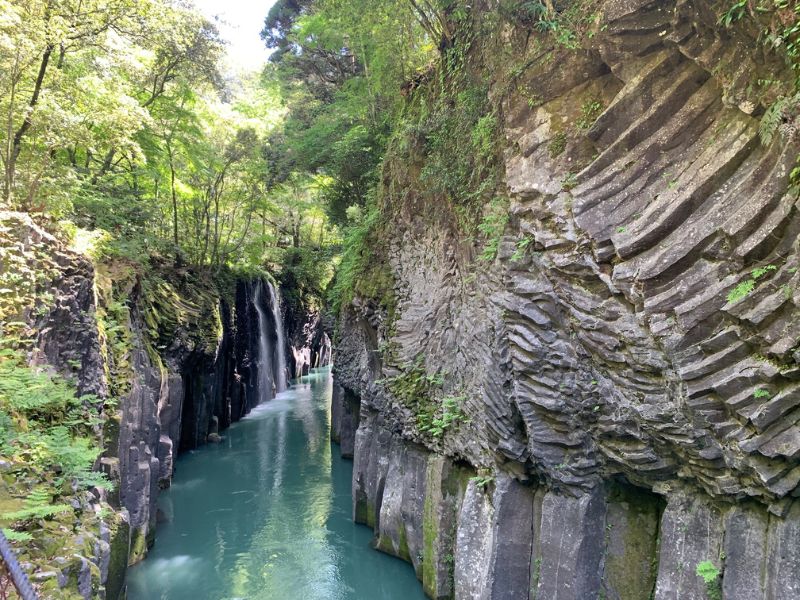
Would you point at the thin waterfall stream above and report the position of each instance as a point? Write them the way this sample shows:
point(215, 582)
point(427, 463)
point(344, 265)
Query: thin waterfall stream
point(280, 353)
point(266, 382)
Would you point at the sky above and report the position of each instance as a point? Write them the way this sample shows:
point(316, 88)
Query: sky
point(241, 23)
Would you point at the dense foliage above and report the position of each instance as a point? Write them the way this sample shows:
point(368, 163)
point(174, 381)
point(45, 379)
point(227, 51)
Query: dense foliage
point(118, 116)
point(48, 438)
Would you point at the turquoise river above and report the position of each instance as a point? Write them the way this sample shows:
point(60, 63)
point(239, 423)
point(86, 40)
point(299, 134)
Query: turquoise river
point(266, 514)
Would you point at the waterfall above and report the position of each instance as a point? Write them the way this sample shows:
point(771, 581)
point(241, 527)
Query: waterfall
point(265, 389)
point(280, 355)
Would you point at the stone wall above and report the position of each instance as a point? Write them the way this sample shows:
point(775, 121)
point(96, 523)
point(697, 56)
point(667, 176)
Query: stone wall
point(496, 537)
point(183, 396)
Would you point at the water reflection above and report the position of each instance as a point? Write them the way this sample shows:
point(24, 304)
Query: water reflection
point(266, 515)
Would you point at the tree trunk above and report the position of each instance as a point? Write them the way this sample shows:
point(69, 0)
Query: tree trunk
point(16, 144)
point(174, 202)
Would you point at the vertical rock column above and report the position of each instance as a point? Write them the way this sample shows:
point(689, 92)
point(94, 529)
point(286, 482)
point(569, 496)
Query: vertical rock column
point(446, 484)
point(570, 547)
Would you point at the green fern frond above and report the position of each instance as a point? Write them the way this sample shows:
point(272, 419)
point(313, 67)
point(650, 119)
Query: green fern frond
point(17, 536)
point(771, 120)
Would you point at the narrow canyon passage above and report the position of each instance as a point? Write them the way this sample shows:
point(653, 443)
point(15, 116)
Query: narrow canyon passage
point(267, 514)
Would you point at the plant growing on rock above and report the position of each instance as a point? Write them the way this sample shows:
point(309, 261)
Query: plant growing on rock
point(744, 288)
point(521, 248)
point(448, 414)
point(590, 110)
point(49, 435)
point(492, 227)
point(711, 576)
point(482, 481)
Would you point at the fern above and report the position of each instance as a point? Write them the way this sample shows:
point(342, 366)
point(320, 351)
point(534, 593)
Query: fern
point(75, 456)
point(734, 13)
point(776, 114)
point(759, 272)
point(38, 505)
point(492, 227)
point(748, 285)
point(17, 536)
point(770, 121)
point(710, 574)
point(741, 290)
point(48, 433)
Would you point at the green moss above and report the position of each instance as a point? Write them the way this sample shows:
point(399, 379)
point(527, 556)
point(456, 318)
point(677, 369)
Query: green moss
point(364, 270)
point(430, 528)
point(118, 562)
point(361, 514)
point(537, 571)
point(632, 574)
point(385, 543)
point(371, 516)
point(138, 546)
point(403, 550)
point(557, 145)
point(445, 486)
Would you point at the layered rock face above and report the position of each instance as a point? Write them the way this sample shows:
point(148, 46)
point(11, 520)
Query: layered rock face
point(48, 311)
point(627, 369)
point(197, 384)
point(307, 332)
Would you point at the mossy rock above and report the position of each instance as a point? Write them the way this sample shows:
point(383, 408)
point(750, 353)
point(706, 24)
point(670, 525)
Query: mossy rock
point(118, 564)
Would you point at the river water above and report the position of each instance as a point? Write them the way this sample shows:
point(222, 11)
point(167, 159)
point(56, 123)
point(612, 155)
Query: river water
point(266, 515)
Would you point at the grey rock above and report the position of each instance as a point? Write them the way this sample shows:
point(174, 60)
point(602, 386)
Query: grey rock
point(783, 556)
point(691, 533)
point(512, 531)
point(474, 543)
point(745, 550)
point(570, 548)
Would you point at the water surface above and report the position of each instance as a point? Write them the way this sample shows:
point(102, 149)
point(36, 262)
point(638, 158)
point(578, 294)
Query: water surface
point(266, 515)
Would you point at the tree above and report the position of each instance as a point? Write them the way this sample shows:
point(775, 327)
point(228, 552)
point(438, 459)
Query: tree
point(40, 37)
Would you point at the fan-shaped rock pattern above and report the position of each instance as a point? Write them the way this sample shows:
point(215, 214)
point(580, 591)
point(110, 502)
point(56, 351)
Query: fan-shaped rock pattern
point(630, 383)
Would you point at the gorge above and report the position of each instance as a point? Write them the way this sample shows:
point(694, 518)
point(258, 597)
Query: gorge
point(508, 290)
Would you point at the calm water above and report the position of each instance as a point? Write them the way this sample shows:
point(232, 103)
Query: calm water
point(266, 514)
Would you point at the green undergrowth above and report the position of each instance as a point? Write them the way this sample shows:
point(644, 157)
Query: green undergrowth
point(174, 308)
point(50, 439)
point(444, 161)
point(778, 23)
point(442, 415)
point(451, 127)
point(422, 392)
point(172, 305)
point(364, 270)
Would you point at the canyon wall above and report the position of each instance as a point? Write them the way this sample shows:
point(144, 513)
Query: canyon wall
point(177, 353)
point(611, 401)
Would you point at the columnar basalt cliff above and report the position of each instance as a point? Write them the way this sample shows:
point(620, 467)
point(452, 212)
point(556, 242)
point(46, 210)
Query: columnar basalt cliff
point(181, 357)
point(612, 399)
point(206, 374)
